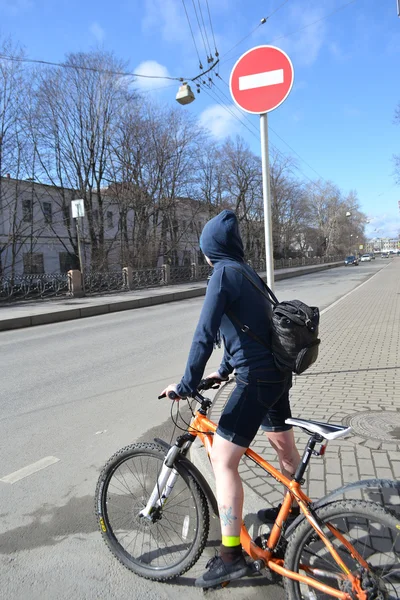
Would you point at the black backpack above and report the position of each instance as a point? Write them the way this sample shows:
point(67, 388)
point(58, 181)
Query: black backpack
point(294, 331)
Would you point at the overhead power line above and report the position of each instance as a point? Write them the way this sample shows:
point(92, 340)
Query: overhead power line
point(209, 52)
point(86, 68)
point(191, 31)
point(253, 130)
point(200, 29)
point(212, 29)
point(262, 22)
point(103, 71)
point(285, 35)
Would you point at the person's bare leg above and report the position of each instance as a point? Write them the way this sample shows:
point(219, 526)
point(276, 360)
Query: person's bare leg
point(285, 447)
point(230, 564)
point(225, 457)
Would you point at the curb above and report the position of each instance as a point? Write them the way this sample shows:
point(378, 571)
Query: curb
point(133, 303)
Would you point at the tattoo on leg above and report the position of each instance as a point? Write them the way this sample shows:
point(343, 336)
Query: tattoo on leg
point(226, 516)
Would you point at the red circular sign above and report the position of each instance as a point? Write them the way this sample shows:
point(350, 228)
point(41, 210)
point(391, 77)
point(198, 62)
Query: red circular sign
point(261, 79)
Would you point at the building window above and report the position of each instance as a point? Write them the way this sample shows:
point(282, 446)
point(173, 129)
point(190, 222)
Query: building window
point(110, 219)
point(47, 212)
point(27, 212)
point(68, 261)
point(33, 263)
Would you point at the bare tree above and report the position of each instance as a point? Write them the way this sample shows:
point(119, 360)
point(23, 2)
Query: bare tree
point(17, 200)
point(153, 165)
point(77, 114)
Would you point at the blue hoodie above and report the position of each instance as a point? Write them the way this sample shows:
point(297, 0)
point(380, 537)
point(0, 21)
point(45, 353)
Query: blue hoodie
point(228, 289)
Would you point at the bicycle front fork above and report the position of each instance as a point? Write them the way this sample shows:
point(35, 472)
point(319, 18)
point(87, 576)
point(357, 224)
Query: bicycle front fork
point(164, 485)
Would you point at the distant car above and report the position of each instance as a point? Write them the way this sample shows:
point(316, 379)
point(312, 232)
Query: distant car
point(372, 255)
point(385, 255)
point(366, 258)
point(350, 260)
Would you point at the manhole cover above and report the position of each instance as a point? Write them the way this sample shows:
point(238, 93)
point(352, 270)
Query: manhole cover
point(378, 425)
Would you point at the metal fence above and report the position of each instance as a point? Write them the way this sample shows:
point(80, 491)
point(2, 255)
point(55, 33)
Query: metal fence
point(144, 278)
point(33, 287)
point(99, 283)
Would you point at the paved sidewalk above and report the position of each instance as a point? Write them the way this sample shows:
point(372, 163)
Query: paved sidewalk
point(356, 381)
point(40, 312)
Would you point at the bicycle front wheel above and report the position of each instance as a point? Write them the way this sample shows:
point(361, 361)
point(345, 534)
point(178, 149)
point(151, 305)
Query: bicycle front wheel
point(371, 530)
point(158, 549)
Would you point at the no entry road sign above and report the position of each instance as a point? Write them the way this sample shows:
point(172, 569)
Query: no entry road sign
point(261, 79)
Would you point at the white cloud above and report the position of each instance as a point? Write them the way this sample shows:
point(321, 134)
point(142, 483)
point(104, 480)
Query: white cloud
point(386, 225)
point(305, 44)
point(168, 17)
point(151, 67)
point(219, 121)
point(15, 8)
point(97, 31)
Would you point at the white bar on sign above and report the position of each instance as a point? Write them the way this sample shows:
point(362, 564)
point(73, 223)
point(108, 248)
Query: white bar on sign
point(249, 82)
point(30, 469)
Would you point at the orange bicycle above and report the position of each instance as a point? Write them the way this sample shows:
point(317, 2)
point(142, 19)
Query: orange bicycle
point(152, 505)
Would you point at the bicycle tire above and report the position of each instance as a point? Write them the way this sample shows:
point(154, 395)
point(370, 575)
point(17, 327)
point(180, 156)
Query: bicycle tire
point(172, 555)
point(349, 516)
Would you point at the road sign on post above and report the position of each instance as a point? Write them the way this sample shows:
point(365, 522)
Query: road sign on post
point(260, 81)
point(78, 212)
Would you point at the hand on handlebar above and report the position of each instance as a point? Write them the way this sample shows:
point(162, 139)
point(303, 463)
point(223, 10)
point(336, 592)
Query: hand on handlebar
point(217, 379)
point(171, 392)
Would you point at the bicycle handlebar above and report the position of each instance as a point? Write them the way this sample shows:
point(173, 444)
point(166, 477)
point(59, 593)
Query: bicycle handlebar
point(205, 384)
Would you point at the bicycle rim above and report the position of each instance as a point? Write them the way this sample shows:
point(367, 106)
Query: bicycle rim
point(160, 549)
point(375, 535)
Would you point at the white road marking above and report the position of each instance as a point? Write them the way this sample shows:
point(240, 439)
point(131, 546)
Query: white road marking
point(30, 469)
point(249, 82)
point(351, 291)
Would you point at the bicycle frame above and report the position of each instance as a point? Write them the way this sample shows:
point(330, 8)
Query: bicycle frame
point(202, 427)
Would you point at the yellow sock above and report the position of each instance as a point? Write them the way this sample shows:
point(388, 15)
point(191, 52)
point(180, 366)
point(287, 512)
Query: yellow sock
point(230, 540)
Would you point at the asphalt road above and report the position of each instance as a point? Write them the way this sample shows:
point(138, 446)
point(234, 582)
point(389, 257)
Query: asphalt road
point(79, 391)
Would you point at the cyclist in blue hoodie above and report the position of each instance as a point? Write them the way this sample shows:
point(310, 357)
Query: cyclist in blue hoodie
point(261, 395)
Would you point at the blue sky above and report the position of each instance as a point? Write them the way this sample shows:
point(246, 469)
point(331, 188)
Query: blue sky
point(339, 114)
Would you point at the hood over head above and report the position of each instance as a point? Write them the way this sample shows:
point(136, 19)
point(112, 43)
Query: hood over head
point(220, 238)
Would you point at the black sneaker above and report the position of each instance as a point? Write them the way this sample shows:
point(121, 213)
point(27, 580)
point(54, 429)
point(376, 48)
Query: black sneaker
point(219, 571)
point(268, 515)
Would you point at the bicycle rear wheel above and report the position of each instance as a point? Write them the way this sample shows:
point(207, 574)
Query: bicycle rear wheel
point(159, 550)
point(373, 532)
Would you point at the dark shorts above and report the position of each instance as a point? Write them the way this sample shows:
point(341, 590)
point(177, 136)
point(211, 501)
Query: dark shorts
point(260, 399)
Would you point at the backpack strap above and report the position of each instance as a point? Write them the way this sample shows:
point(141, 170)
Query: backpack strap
point(234, 318)
point(246, 329)
point(270, 296)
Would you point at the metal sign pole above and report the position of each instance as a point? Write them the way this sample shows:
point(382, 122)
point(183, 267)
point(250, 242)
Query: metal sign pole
point(269, 253)
point(79, 248)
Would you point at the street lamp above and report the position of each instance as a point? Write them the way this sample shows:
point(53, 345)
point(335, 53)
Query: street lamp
point(185, 94)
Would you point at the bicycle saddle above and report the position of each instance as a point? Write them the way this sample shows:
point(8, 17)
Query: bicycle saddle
point(326, 430)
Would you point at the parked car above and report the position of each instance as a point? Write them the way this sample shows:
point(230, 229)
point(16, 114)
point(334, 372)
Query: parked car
point(385, 255)
point(372, 255)
point(350, 260)
point(366, 258)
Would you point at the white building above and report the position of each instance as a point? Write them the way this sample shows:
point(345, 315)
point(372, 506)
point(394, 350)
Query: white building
point(38, 234)
point(383, 245)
